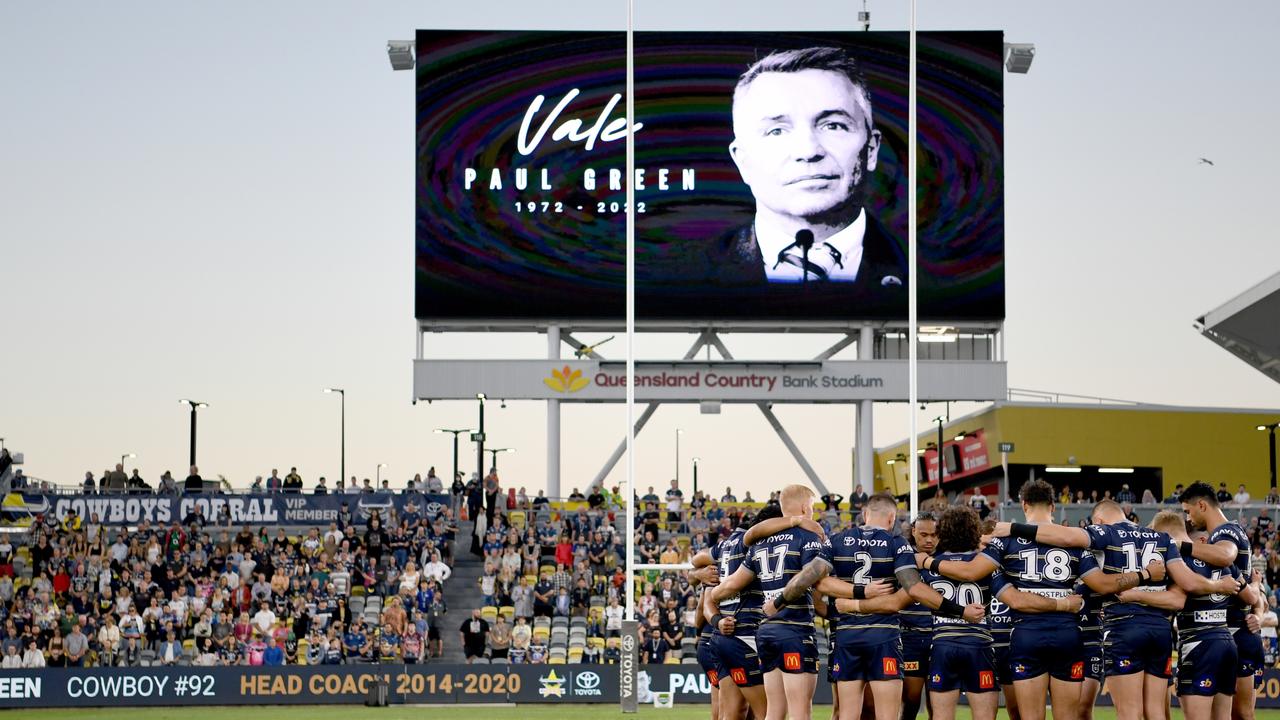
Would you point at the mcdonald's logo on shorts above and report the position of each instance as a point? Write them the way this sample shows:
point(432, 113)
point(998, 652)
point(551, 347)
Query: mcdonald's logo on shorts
point(986, 679)
point(1168, 666)
point(1077, 670)
point(890, 665)
point(791, 661)
point(714, 677)
point(739, 676)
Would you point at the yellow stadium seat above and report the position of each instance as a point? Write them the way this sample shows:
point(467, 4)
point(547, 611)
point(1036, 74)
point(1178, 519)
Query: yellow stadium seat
point(557, 660)
point(671, 660)
point(516, 517)
point(489, 613)
point(531, 579)
point(596, 642)
point(507, 611)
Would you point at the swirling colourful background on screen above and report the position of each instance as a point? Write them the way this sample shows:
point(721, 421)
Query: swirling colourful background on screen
point(478, 256)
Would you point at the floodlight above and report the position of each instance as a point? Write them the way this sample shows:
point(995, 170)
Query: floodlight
point(1018, 57)
point(401, 54)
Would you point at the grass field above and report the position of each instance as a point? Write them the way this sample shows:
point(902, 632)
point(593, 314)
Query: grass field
point(453, 712)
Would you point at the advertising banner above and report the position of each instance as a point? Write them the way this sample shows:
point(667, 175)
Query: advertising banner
point(964, 457)
point(257, 509)
point(770, 179)
point(349, 684)
point(727, 381)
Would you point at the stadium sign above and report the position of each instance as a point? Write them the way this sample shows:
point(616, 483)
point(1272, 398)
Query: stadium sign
point(725, 381)
point(350, 684)
point(256, 509)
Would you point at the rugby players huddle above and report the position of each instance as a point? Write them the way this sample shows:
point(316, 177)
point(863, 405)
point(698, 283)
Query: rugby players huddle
point(1034, 610)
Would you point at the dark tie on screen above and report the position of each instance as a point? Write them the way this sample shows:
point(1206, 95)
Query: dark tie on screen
point(791, 255)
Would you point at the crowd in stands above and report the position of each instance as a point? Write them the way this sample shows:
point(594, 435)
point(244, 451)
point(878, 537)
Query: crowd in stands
point(74, 592)
point(373, 589)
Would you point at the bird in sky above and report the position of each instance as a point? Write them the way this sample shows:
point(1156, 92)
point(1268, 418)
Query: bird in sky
point(1206, 161)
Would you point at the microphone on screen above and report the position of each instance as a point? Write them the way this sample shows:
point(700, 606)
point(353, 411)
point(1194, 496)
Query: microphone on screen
point(804, 241)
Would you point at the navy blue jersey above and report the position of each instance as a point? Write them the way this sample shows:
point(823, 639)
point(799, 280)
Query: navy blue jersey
point(745, 607)
point(1205, 615)
point(1036, 568)
point(1236, 611)
point(1126, 547)
point(779, 557)
point(861, 556)
point(1089, 619)
point(999, 622)
point(958, 630)
point(916, 618)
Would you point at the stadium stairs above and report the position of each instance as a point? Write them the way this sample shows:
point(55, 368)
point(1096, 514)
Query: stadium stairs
point(462, 594)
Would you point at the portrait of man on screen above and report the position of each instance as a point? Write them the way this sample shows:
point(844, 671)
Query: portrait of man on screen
point(805, 143)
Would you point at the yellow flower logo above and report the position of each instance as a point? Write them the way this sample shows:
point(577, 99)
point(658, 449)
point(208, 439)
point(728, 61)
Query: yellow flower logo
point(566, 380)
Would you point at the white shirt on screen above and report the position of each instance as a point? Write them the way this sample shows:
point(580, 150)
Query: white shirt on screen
point(848, 242)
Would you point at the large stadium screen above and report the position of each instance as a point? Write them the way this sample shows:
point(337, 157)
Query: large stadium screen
point(770, 176)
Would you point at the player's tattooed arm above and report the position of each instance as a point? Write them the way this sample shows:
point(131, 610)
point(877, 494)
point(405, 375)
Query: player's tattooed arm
point(809, 575)
point(1105, 583)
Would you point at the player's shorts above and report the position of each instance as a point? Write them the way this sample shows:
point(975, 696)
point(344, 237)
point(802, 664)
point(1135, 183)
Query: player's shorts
point(789, 648)
point(915, 653)
point(953, 666)
point(1133, 646)
point(1249, 655)
point(707, 660)
point(1004, 674)
point(1046, 648)
point(1207, 666)
point(853, 660)
point(736, 660)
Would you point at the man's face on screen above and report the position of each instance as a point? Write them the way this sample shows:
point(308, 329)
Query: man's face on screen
point(802, 143)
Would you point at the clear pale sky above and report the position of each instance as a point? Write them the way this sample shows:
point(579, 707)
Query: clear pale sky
point(215, 201)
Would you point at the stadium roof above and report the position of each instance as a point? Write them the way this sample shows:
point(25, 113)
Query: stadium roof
point(1249, 326)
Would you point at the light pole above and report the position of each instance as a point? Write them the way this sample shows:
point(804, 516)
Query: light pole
point(679, 432)
point(1271, 437)
point(378, 474)
point(126, 456)
point(695, 475)
point(456, 433)
point(942, 466)
point(342, 471)
point(195, 405)
point(494, 455)
point(478, 437)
